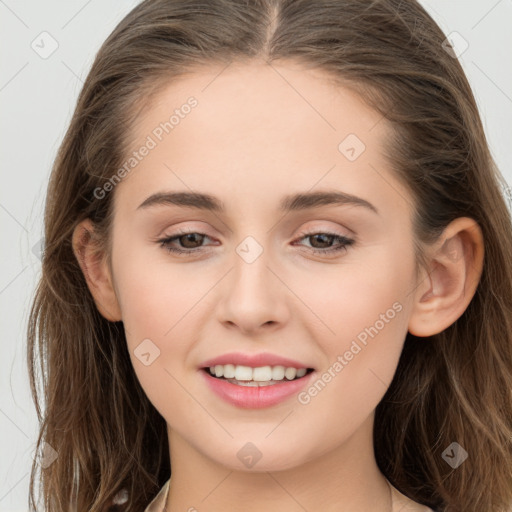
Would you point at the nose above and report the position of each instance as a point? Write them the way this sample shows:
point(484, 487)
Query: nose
point(253, 297)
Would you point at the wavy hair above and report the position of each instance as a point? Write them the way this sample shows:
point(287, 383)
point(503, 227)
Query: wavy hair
point(452, 387)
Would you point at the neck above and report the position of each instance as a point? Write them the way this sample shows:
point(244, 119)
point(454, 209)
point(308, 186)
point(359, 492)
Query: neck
point(344, 479)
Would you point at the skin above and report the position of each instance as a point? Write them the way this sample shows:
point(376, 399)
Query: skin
point(255, 136)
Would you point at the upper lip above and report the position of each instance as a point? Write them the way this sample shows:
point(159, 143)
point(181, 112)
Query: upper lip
point(254, 360)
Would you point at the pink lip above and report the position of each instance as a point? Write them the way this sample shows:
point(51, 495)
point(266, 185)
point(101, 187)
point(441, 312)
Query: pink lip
point(254, 360)
point(256, 397)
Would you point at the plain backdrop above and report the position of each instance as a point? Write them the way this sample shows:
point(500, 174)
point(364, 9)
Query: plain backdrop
point(38, 94)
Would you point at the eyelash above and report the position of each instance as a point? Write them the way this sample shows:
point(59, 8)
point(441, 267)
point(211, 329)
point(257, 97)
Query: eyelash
point(344, 242)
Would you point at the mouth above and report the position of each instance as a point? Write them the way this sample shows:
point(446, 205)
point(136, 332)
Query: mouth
point(256, 377)
point(256, 387)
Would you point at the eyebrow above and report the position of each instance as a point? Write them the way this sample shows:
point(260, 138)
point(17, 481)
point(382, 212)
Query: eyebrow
point(290, 203)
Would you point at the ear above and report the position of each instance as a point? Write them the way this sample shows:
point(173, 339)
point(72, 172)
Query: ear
point(445, 291)
point(93, 262)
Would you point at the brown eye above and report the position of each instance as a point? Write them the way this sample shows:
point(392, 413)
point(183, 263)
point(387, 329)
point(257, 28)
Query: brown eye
point(324, 240)
point(321, 243)
point(190, 240)
point(183, 243)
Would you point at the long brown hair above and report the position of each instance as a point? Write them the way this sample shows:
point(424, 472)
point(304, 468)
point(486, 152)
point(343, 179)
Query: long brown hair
point(452, 387)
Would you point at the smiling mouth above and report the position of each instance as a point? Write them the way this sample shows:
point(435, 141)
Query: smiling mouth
point(265, 376)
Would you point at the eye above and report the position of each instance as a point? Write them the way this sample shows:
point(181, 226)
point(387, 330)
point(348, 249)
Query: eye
point(322, 242)
point(188, 239)
point(191, 242)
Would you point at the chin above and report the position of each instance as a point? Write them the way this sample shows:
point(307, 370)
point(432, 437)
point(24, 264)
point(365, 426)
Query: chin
point(250, 460)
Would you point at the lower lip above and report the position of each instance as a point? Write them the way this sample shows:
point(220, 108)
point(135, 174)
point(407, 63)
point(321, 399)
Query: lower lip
point(255, 397)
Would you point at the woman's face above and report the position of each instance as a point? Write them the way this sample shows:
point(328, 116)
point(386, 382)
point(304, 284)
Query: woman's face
point(253, 282)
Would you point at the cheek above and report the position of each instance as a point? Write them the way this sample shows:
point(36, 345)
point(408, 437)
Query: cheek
point(155, 300)
point(154, 295)
point(365, 309)
point(353, 299)
point(160, 303)
point(370, 326)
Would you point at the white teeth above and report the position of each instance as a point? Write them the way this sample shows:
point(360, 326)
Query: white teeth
point(259, 374)
point(278, 372)
point(243, 372)
point(229, 371)
point(262, 374)
point(290, 373)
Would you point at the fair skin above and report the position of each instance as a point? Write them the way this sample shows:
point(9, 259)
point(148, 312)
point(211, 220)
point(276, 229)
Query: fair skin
point(254, 138)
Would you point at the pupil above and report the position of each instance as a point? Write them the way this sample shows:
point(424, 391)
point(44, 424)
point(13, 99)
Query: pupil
point(329, 238)
point(189, 238)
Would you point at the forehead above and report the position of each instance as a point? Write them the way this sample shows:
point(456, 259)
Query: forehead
point(258, 98)
point(251, 129)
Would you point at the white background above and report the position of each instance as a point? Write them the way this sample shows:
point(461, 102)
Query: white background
point(37, 99)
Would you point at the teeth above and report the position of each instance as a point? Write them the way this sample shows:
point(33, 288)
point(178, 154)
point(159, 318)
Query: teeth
point(259, 374)
point(229, 371)
point(301, 372)
point(278, 372)
point(262, 374)
point(243, 373)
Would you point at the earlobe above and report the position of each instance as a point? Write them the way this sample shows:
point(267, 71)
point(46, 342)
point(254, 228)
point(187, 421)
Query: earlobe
point(445, 291)
point(96, 271)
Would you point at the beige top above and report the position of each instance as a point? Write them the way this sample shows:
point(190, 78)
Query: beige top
point(400, 501)
point(158, 502)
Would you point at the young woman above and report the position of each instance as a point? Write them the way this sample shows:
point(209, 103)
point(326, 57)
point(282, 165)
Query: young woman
point(277, 272)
